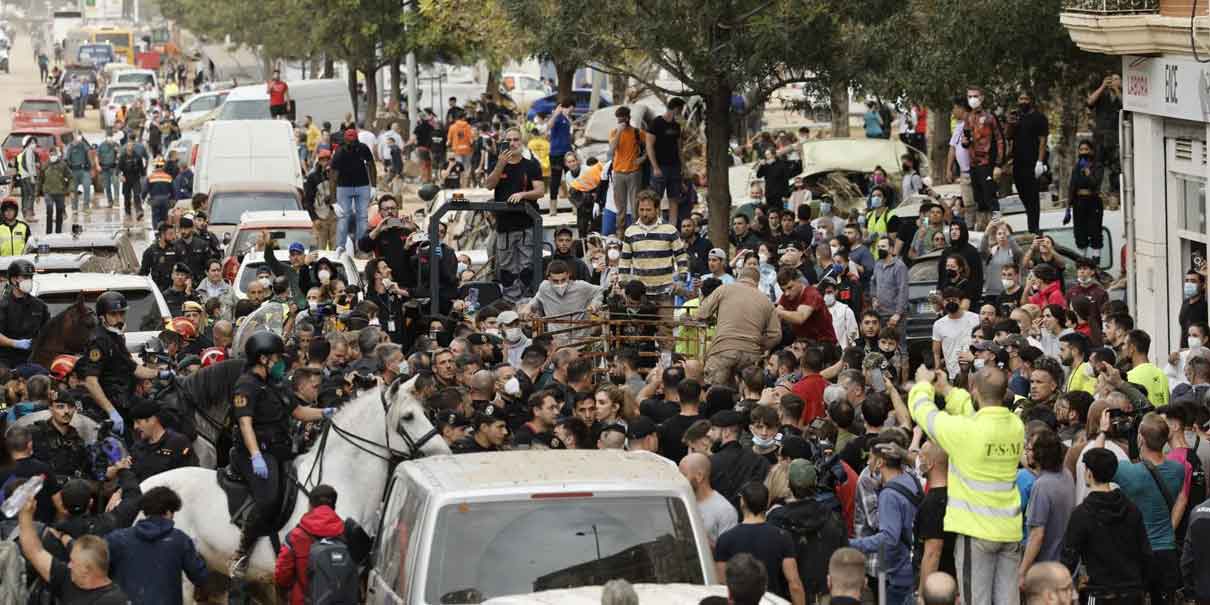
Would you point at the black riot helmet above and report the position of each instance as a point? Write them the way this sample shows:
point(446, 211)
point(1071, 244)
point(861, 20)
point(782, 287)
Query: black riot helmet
point(111, 302)
point(21, 268)
point(263, 343)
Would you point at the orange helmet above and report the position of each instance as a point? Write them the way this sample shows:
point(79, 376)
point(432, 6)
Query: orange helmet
point(212, 356)
point(184, 327)
point(62, 366)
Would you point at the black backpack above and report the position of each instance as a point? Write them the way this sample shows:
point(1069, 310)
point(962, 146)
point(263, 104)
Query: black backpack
point(814, 545)
point(332, 577)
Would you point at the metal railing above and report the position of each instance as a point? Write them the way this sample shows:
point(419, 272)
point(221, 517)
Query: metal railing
point(1112, 7)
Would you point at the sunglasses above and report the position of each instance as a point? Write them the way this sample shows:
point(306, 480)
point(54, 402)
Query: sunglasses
point(386, 209)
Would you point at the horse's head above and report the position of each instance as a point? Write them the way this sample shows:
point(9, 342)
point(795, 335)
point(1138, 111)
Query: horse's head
point(406, 413)
point(79, 318)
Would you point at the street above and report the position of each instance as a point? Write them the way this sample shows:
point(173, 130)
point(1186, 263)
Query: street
point(23, 83)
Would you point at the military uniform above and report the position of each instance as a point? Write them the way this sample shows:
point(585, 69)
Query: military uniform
point(107, 157)
point(106, 357)
point(65, 452)
point(158, 262)
point(269, 406)
point(20, 318)
point(173, 450)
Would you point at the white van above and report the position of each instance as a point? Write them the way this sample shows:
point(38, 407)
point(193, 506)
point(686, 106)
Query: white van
point(472, 527)
point(324, 100)
point(245, 103)
point(246, 150)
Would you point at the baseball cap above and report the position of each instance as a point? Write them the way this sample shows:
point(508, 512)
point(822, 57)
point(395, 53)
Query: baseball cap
point(1016, 340)
point(350, 135)
point(297, 247)
point(193, 305)
point(803, 475)
point(718, 253)
point(507, 317)
point(641, 427)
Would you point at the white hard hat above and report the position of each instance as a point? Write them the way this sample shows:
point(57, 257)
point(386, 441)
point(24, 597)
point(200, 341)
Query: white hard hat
point(25, 142)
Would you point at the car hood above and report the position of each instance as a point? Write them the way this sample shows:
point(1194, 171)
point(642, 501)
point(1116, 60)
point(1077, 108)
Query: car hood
point(854, 155)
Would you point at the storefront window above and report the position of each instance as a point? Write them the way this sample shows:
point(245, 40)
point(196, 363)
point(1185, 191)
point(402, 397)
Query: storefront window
point(1192, 203)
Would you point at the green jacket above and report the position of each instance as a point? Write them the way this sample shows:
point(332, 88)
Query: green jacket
point(107, 154)
point(55, 178)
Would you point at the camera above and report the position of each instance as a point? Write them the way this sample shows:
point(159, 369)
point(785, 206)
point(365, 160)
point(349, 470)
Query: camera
point(1122, 424)
point(363, 381)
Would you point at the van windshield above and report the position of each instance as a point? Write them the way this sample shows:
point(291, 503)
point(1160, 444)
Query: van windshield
point(568, 542)
point(132, 77)
point(255, 109)
point(142, 316)
point(226, 208)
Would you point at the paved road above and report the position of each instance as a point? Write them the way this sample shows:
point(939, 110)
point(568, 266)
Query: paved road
point(23, 82)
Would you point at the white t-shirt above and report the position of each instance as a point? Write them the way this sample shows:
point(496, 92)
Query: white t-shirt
point(717, 515)
point(961, 154)
point(1081, 485)
point(844, 323)
point(955, 337)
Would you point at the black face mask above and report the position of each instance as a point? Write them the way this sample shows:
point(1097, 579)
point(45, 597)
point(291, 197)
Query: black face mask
point(882, 253)
point(951, 307)
point(1025, 107)
point(617, 379)
point(953, 275)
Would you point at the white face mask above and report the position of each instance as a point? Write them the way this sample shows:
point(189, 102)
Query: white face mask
point(614, 254)
point(978, 363)
point(759, 441)
point(764, 258)
point(834, 249)
point(313, 306)
point(264, 281)
point(1008, 283)
point(403, 368)
point(559, 289)
point(829, 299)
point(512, 388)
point(324, 276)
point(974, 102)
point(461, 267)
point(374, 322)
point(1194, 342)
point(26, 285)
point(512, 334)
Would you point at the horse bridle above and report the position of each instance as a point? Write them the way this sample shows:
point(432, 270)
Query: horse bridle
point(414, 445)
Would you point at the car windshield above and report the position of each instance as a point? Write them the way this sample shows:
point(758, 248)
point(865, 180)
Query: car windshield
point(128, 77)
point(13, 141)
point(143, 315)
point(125, 98)
point(226, 208)
point(40, 107)
point(246, 239)
point(96, 52)
point(249, 273)
point(254, 109)
point(81, 73)
point(585, 541)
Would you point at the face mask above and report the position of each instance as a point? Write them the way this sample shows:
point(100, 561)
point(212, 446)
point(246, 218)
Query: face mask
point(838, 268)
point(907, 168)
point(764, 258)
point(613, 254)
point(887, 352)
point(278, 370)
point(882, 253)
point(324, 275)
point(560, 289)
point(878, 178)
point(951, 307)
point(512, 334)
point(834, 249)
point(118, 329)
point(403, 369)
point(313, 306)
point(26, 285)
point(829, 299)
point(974, 102)
point(763, 442)
point(1084, 281)
point(978, 363)
point(1189, 289)
point(876, 202)
point(1008, 283)
point(264, 281)
point(1194, 342)
point(953, 275)
point(374, 322)
point(512, 388)
point(925, 222)
point(825, 207)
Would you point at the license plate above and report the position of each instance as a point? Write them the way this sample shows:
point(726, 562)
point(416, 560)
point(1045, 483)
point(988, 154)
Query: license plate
point(924, 308)
point(40, 120)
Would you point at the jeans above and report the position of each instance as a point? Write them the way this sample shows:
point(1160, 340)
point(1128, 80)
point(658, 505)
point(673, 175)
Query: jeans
point(515, 263)
point(56, 206)
point(609, 223)
point(899, 595)
point(354, 203)
point(987, 571)
point(27, 196)
point(159, 209)
point(81, 177)
point(109, 182)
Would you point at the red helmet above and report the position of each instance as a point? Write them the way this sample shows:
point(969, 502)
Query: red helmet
point(183, 326)
point(62, 366)
point(212, 356)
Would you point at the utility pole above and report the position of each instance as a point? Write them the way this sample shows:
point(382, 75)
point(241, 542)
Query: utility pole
point(413, 90)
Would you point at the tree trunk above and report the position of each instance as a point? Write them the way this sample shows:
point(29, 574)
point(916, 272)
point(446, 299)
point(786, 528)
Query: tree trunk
point(371, 93)
point(566, 75)
point(718, 164)
point(329, 66)
point(938, 134)
point(839, 101)
point(617, 89)
point(396, 95)
point(492, 88)
point(352, 80)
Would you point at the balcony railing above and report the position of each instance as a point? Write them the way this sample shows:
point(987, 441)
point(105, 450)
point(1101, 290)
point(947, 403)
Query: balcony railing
point(1112, 7)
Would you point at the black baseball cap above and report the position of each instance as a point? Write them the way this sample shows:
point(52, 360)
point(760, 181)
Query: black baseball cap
point(641, 427)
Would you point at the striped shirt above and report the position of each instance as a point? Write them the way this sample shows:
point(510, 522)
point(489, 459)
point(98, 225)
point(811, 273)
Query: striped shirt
point(654, 254)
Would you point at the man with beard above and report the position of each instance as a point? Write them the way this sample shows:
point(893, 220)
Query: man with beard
point(1073, 352)
point(57, 443)
point(867, 337)
point(563, 242)
point(158, 449)
point(544, 412)
point(696, 247)
point(1044, 383)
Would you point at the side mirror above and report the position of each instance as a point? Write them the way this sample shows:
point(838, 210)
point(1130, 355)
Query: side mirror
point(226, 238)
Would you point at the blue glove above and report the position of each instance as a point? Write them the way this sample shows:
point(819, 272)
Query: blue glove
point(119, 426)
point(166, 374)
point(329, 412)
point(22, 344)
point(259, 468)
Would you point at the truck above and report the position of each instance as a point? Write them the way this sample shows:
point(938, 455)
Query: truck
point(63, 22)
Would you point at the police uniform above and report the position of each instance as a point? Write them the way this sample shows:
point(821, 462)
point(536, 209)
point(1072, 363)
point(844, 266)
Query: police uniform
point(158, 262)
point(65, 452)
point(468, 445)
point(106, 358)
point(173, 450)
point(195, 253)
point(269, 406)
point(175, 299)
point(20, 318)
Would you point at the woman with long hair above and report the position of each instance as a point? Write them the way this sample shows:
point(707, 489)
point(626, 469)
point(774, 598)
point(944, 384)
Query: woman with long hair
point(384, 292)
point(1088, 319)
point(1052, 326)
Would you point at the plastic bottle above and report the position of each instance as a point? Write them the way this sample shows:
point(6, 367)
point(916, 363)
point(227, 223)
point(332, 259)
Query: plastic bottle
point(16, 502)
point(472, 301)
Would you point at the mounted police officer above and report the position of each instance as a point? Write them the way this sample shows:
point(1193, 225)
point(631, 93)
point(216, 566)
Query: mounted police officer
point(262, 408)
point(109, 370)
point(21, 315)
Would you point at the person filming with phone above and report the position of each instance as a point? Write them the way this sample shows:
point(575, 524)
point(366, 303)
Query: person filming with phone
point(517, 179)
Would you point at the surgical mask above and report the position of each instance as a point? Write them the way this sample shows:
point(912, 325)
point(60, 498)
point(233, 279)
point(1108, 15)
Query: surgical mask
point(876, 201)
point(1194, 342)
point(324, 275)
point(560, 289)
point(614, 254)
point(512, 387)
point(513, 334)
point(1084, 281)
point(762, 442)
point(313, 306)
point(951, 307)
point(764, 258)
point(834, 249)
point(883, 252)
point(974, 102)
point(403, 369)
point(825, 207)
point(1189, 289)
point(838, 268)
point(26, 285)
point(461, 268)
point(54, 157)
point(118, 329)
point(953, 275)
point(374, 322)
point(978, 363)
point(264, 281)
point(1008, 283)
point(278, 370)
point(829, 299)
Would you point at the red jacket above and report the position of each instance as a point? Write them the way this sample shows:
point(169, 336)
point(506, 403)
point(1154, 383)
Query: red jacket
point(1052, 294)
point(291, 569)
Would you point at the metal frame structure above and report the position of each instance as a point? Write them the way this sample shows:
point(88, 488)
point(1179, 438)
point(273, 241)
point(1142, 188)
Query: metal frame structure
point(497, 208)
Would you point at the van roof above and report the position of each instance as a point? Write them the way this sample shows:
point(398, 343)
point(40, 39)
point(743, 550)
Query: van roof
point(545, 469)
point(49, 283)
point(245, 93)
point(250, 186)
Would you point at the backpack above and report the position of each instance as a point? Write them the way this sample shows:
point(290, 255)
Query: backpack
point(813, 547)
point(332, 577)
point(915, 499)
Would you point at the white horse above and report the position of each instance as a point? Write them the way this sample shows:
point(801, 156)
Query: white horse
point(354, 462)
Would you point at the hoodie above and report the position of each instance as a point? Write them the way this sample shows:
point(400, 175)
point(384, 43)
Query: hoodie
point(818, 531)
point(896, 520)
point(147, 560)
point(1106, 533)
point(291, 569)
point(973, 289)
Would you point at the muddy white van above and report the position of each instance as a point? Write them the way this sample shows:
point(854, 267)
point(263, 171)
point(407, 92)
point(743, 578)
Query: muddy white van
point(473, 527)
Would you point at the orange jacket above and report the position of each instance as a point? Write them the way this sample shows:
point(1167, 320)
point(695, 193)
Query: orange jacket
point(461, 138)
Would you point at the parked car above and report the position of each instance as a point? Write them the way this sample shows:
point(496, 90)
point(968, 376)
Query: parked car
point(46, 138)
point(229, 201)
point(524, 89)
point(40, 112)
point(200, 104)
point(582, 96)
point(287, 227)
point(147, 311)
point(114, 249)
point(86, 72)
point(346, 269)
point(58, 262)
point(96, 55)
point(140, 78)
point(601, 514)
point(114, 102)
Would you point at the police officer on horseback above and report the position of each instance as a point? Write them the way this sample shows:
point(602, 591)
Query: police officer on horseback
point(262, 409)
point(22, 315)
point(109, 370)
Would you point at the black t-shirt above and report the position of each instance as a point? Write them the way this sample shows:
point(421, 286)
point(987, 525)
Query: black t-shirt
point(667, 141)
point(1031, 127)
point(659, 410)
point(352, 162)
point(32, 467)
point(671, 433)
point(766, 543)
point(424, 134)
point(930, 525)
point(69, 594)
point(516, 178)
point(855, 453)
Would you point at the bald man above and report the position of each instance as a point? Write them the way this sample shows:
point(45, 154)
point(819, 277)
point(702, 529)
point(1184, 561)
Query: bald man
point(223, 333)
point(939, 588)
point(937, 552)
point(1049, 583)
point(482, 385)
point(717, 513)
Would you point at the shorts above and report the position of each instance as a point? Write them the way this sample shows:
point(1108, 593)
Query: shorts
point(278, 110)
point(423, 154)
point(668, 182)
point(465, 160)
